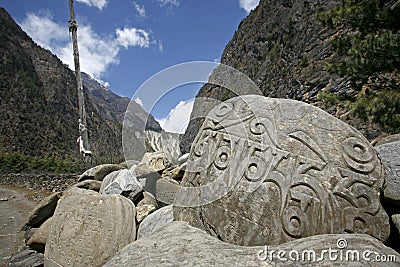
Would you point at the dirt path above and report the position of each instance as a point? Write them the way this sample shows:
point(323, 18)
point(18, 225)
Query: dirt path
point(15, 205)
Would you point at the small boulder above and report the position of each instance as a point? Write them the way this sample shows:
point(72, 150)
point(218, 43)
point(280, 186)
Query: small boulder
point(99, 172)
point(121, 182)
point(155, 161)
point(89, 185)
point(386, 140)
point(396, 221)
point(143, 211)
point(174, 172)
point(38, 240)
point(145, 206)
point(390, 156)
point(27, 257)
point(148, 199)
point(156, 221)
point(183, 158)
point(43, 211)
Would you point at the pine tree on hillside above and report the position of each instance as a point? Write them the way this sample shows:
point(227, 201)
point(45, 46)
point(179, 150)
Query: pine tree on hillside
point(368, 48)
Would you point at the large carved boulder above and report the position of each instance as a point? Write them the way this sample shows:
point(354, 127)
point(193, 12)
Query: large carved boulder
point(179, 244)
point(268, 171)
point(88, 228)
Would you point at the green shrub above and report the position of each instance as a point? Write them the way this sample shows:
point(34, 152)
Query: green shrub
point(15, 162)
point(382, 108)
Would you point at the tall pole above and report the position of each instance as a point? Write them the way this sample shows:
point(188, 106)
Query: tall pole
point(84, 145)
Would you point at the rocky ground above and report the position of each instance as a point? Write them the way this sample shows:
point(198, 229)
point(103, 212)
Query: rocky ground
point(15, 205)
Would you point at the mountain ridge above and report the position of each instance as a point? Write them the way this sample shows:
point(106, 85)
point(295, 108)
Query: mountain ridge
point(38, 105)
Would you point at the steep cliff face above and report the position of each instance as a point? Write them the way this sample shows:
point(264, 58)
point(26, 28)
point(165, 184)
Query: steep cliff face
point(113, 107)
point(284, 48)
point(38, 104)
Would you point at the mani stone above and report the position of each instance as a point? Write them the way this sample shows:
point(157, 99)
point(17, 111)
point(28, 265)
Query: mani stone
point(390, 156)
point(89, 228)
point(179, 244)
point(266, 171)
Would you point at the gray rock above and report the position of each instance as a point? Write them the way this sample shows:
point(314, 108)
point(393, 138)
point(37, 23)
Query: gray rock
point(89, 228)
point(156, 221)
point(396, 221)
point(146, 206)
point(148, 199)
point(27, 257)
point(99, 172)
point(174, 172)
point(143, 211)
point(121, 182)
point(39, 238)
point(142, 170)
point(268, 171)
point(183, 158)
point(390, 156)
point(179, 244)
point(43, 210)
point(29, 233)
point(166, 190)
point(129, 164)
point(89, 185)
point(155, 161)
point(149, 182)
point(386, 139)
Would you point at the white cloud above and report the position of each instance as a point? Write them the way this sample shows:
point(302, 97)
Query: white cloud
point(248, 5)
point(140, 10)
point(139, 101)
point(43, 30)
point(169, 3)
point(178, 118)
point(96, 52)
point(100, 4)
point(132, 37)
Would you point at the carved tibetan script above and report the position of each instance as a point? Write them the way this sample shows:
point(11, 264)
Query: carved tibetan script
point(273, 170)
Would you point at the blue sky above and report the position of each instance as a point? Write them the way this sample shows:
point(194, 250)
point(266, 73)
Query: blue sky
point(123, 43)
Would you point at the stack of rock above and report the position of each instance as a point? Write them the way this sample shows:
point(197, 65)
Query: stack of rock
point(267, 182)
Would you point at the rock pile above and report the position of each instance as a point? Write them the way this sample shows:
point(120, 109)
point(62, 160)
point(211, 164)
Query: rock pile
point(263, 176)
